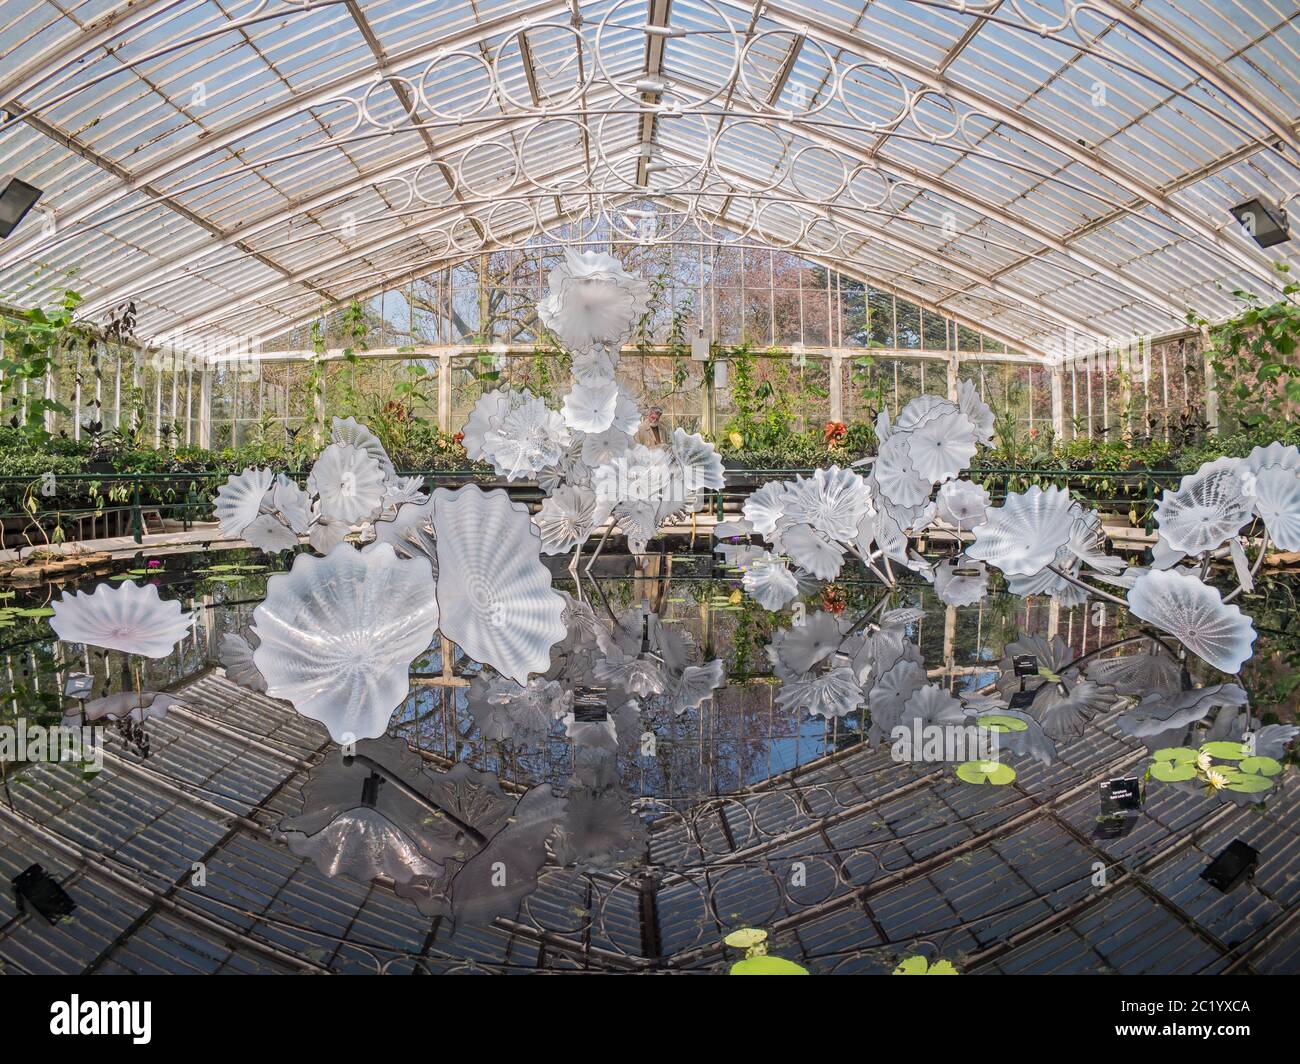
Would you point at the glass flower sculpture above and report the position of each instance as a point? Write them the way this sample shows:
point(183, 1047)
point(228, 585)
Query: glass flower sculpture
point(525, 439)
point(592, 300)
point(1022, 536)
point(1276, 500)
point(337, 636)
point(1208, 507)
point(129, 617)
point(494, 593)
point(239, 500)
point(348, 482)
point(1195, 614)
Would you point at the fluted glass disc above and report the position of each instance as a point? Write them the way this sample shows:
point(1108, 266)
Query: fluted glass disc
point(1196, 615)
point(129, 617)
point(338, 636)
point(495, 594)
point(1022, 536)
point(1277, 501)
point(1207, 508)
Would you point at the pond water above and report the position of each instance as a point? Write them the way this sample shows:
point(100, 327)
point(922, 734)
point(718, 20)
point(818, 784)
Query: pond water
point(744, 744)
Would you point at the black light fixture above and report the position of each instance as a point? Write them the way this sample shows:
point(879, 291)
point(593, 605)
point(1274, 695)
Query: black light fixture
point(17, 197)
point(36, 887)
point(1232, 867)
point(1264, 220)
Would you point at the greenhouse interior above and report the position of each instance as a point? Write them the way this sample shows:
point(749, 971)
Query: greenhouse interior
point(748, 487)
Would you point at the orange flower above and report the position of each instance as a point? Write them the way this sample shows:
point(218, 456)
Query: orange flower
point(835, 431)
point(832, 600)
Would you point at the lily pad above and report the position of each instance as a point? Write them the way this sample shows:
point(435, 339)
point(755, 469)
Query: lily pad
point(766, 965)
point(997, 722)
point(745, 938)
point(1177, 754)
point(920, 966)
point(1226, 751)
point(1261, 766)
point(1245, 783)
point(1173, 771)
point(993, 772)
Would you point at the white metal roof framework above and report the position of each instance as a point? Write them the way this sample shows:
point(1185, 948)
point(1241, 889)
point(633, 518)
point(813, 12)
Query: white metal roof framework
point(1055, 173)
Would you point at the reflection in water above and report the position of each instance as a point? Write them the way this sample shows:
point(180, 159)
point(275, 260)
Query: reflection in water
point(671, 693)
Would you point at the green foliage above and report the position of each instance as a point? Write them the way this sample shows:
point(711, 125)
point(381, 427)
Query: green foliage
point(34, 340)
point(918, 965)
point(1254, 356)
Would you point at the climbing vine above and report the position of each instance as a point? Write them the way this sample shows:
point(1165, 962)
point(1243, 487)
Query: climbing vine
point(1254, 358)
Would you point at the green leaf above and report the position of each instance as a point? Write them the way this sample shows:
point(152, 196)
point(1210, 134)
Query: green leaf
point(745, 938)
point(1226, 751)
point(766, 965)
point(920, 966)
point(1244, 783)
point(1173, 771)
point(979, 772)
point(1260, 766)
point(1176, 754)
point(997, 722)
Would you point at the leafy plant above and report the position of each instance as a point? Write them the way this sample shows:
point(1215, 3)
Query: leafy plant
point(34, 340)
point(1254, 357)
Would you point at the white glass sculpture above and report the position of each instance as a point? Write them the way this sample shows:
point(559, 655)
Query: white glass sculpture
point(268, 533)
point(832, 501)
point(599, 448)
point(592, 300)
point(769, 580)
point(290, 502)
point(591, 407)
point(129, 617)
point(349, 431)
point(494, 593)
point(977, 412)
point(962, 503)
point(895, 475)
point(1022, 536)
point(525, 439)
point(1208, 507)
point(1195, 614)
point(409, 532)
point(487, 413)
point(960, 582)
point(810, 550)
point(941, 446)
point(701, 464)
point(236, 658)
point(338, 635)
point(1277, 501)
point(138, 706)
point(1275, 454)
point(348, 483)
point(567, 518)
point(765, 506)
point(832, 694)
point(239, 501)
